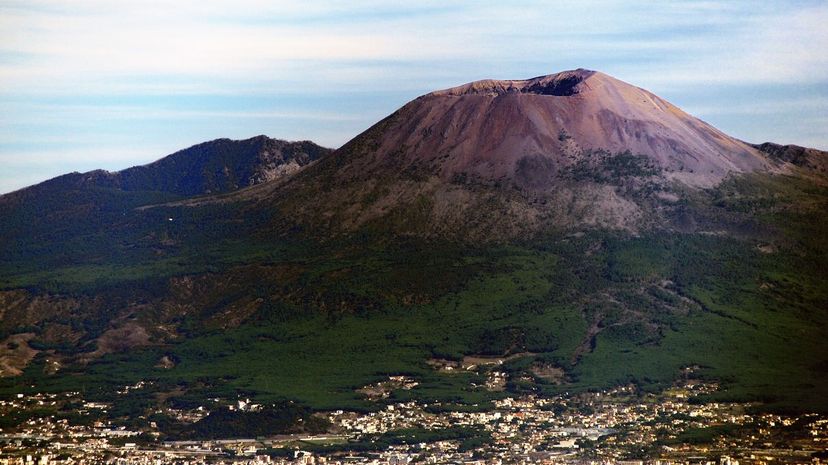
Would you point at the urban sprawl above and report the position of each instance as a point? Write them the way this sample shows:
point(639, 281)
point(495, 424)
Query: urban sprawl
point(621, 426)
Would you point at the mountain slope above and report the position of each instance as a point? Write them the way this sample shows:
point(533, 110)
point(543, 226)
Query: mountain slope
point(84, 212)
point(811, 159)
point(493, 160)
point(213, 167)
point(500, 130)
point(222, 165)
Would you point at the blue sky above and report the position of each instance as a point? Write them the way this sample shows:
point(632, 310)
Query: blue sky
point(110, 84)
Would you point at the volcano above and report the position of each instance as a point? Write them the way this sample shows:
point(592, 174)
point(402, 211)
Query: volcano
point(498, 130)
point(509, 157)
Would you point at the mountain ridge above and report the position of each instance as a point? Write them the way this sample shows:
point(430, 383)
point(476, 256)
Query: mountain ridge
point(797, 155)
point(211, 167)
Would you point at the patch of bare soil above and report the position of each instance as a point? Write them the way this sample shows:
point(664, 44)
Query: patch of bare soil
point(471, 362)
point(588, 342)
point(127, 337)
point(15, 354)
point(767, 248)
point(165, 362)
point(549, 372)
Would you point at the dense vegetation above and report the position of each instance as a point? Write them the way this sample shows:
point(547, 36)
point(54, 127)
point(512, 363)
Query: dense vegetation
point(742, 297)
point(274, 419)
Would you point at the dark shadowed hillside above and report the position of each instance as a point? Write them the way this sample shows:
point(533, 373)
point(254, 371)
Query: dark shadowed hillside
point(214, 167)
point(221, 165)
point(82, 216)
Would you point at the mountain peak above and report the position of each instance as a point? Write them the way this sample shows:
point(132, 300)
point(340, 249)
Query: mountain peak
point(561, 84)
point(489, 129)
point(503, 157)
point(212, 167)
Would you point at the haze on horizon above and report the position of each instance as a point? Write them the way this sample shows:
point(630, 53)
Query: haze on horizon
point(99, 84)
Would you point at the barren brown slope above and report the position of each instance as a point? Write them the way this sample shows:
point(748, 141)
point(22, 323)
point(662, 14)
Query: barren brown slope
point(500, 158)
point(486, 128)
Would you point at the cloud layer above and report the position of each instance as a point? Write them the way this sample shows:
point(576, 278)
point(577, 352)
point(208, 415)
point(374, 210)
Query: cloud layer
point(95, 83)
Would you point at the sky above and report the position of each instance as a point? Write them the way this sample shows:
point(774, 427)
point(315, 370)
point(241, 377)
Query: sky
point(89, 84)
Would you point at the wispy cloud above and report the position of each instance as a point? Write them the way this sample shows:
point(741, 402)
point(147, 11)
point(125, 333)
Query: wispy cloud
point(99, 44)
point(76, 72)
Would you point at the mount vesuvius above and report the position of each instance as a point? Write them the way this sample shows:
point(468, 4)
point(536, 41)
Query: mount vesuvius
point(583, 229)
